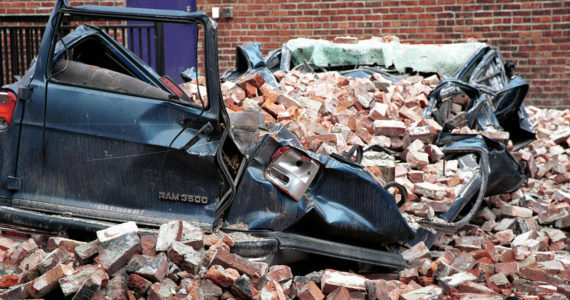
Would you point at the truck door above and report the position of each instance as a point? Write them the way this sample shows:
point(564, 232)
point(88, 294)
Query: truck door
point(101, 140)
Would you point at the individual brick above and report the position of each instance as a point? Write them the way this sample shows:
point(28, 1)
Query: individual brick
point(229, 260)
point(108, 234)
point(539, 274)
point(475, 288)
point(416, 252)
point(376, 289)
point(389, 128)
point(280, 273)
point(117, 287)
point(332, 279)
point(167, 234)
point(516, 211)
point(430, 190)
point(8, 281)
point(162, 290)
point(46, 283)
point(148, 244)
point(254, 79)
point(463, 262)
point(455, 280)
point(223, 277)
point(272, 291)
point(428, 292)
point(552, 215)
point(154, 269)
point(192, 236)
point(417, 160)
point(138, 283)
point(504, 237)
point(118, 252)
point(378, 111)
point(185, 257)
point(59, 255)
point(507, 268)
point(243, 288)
point(408, 274)
point(68, 244)
point(22, 250)
point(70, 284)
point(85, 252)
point(92, 285)
point(209, 289)
point(311, 291)
point(31, 261)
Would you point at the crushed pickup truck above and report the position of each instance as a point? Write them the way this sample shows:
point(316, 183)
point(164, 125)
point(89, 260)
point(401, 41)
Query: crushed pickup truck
point(92, 135)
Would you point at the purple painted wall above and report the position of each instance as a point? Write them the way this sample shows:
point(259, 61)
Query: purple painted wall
point(179, 40)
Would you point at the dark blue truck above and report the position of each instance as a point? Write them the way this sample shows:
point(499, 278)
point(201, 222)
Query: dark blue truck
point(92, 135)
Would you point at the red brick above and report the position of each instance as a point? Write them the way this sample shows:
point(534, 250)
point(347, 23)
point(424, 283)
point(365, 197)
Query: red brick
point(311, 292)
point(537, 274)
point(507, 268)
point(229, 260)
point(105, 236)
point(22, 250)
point(280, 273)
point(553, 215)
point(332, 279)
point(69, 245)
point(161, 290)
point(389, 128)
point(273, 291)
point(138, 283)
point(148, 244)
point(417, 252)
point(8, 281)
point(70, 284)
point(46, 283)
point(253, 79)
point(516, 211)
point(223, 277)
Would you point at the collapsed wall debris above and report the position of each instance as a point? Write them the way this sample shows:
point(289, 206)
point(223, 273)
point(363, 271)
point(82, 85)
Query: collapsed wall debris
point(514, 241)
point(513, 253)
point(390, 122)
point(466, 140)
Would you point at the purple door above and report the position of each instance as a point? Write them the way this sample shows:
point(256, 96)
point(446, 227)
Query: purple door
point(179, 40)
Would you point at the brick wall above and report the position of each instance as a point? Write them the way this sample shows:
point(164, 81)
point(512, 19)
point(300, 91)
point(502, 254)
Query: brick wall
point(534, 34)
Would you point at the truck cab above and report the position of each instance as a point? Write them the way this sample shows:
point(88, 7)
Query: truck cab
point(92, 135)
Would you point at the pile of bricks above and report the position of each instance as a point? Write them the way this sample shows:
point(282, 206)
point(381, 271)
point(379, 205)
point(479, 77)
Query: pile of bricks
point(330, 113)
point(517, 244)
point(513, 246)
point(180, 262)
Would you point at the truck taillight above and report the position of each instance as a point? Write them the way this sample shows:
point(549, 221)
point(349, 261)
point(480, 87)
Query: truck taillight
point(291, 171)
point(7, 106)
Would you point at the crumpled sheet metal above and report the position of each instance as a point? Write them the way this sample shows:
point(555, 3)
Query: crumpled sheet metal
point(504, 175)
point(344, 203)
point(245, 127)
point(495, 101)
point(249, 60)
